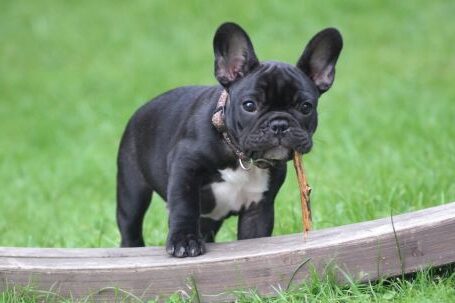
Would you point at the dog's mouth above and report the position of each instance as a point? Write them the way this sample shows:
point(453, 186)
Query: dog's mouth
point(276, 138)
point(279, 150)
point(277, 153)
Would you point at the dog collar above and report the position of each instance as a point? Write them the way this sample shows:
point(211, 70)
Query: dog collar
point(218, 122)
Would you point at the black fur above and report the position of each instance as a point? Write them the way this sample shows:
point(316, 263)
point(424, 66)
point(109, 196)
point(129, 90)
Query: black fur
point(170, 146)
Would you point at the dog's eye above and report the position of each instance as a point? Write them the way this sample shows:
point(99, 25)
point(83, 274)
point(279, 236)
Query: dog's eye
point(249, 106)
point(305, 107)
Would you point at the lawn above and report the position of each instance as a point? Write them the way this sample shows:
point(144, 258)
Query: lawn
point(73, 72)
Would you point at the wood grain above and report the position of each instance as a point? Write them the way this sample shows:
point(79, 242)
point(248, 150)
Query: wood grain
point(363, 251)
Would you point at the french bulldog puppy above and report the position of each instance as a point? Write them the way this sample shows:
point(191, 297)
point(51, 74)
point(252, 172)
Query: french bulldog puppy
point(216, 151)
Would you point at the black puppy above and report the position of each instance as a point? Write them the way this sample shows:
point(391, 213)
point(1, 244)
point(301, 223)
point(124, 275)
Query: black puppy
point(217, 151)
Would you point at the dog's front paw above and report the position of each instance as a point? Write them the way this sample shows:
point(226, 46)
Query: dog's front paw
point(182, 245)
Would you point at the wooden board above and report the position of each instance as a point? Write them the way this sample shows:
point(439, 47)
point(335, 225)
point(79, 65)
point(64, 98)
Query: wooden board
point(363, 251)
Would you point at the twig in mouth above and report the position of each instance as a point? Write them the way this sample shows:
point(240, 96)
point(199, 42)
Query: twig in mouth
point(305, 191)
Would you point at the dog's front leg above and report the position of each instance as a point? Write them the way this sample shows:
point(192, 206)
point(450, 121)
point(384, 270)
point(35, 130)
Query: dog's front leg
point(184, 239)
point(257, 221)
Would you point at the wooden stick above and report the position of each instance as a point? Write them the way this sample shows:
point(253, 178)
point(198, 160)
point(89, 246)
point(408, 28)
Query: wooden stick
point(305, 191)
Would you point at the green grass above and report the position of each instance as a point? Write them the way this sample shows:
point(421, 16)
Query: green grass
point(427, 286)
point(72, 73)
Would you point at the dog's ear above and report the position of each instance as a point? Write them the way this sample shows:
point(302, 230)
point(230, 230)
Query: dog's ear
point(320, 56)
point(234, 53)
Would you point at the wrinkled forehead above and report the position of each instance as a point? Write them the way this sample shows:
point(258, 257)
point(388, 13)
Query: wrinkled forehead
point(279, 82)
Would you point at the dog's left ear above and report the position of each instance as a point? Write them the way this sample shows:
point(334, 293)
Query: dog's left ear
point(234, 54)
point(320, 56)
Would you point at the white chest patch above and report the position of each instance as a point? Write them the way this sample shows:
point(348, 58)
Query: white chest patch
point(240, 188)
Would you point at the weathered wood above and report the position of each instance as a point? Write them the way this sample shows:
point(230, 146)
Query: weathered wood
point(363, 251)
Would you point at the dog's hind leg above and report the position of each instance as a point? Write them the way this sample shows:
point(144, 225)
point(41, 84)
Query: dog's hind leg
point(133, 200)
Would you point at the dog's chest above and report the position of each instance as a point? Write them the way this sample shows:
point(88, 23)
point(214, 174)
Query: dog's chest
point(239, 189)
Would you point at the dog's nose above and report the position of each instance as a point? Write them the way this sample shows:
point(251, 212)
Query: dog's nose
point(279, 125)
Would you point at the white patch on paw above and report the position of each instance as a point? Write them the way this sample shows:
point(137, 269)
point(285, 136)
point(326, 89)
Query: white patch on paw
point(239, 188)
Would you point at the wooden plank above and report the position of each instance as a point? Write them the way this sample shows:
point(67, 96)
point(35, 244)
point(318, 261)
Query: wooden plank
point(364, 251)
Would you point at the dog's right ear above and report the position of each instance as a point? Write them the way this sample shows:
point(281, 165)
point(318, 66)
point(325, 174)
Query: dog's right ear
point(234, 53)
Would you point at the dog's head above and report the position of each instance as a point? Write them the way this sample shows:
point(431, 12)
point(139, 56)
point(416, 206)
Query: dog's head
point(272, 107)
